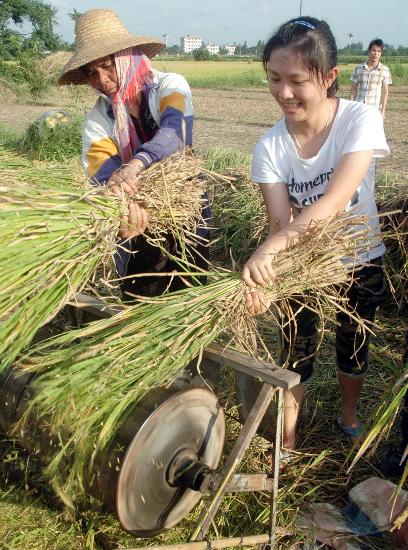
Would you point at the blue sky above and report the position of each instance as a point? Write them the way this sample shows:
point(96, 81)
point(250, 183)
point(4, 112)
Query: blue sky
point(228, 21)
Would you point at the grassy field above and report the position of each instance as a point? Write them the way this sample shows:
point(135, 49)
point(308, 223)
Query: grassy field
point(244, 74)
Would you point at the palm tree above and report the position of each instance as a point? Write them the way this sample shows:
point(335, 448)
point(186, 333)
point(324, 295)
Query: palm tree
point(75, 14)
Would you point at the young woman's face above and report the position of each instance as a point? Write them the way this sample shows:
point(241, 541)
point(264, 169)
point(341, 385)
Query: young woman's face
point(102, 75)
point(298, 92)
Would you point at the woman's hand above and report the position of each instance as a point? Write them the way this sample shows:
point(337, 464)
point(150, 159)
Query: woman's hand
point(256, 301)
point(258, 272)
point(134, 223)
point(258, 269)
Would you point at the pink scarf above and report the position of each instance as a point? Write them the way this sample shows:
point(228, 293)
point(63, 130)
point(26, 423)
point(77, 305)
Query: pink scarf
point(133, 69)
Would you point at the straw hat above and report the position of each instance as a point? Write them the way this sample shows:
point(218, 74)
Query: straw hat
point(99, 33)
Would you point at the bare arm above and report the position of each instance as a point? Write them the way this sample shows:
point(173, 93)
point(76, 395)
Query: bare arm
point(353, 91)
point(344, 182)
point(384, 99)
point(277, 204)
point(259, 266)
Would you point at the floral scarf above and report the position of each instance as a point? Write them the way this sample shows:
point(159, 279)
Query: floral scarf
point(133, 69)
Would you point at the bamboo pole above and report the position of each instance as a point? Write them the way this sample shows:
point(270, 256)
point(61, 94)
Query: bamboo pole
point(215, 544)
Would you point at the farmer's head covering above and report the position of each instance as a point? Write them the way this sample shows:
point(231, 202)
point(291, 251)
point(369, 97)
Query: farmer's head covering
point(134, 71)
point(99, 33)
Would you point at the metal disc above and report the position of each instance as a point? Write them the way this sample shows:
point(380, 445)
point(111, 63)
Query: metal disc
point(191, 421)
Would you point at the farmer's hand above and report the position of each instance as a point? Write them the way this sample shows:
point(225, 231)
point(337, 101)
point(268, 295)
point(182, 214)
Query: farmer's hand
point(134, 223)
point(126, 180)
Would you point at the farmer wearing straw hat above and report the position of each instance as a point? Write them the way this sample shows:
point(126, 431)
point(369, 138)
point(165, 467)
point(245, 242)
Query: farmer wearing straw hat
point(140, 117)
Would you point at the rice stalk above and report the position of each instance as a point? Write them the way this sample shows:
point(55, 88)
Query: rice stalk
point(54, 239)
point(396, 259)
point(382, 420)
point(239, 217)
point(92, 377)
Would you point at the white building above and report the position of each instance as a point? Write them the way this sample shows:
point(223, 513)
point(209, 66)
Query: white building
point(230, 49)
point(190, 43)
point(213, 49)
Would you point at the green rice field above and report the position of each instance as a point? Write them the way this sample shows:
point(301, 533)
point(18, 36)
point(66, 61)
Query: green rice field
point(249, 74)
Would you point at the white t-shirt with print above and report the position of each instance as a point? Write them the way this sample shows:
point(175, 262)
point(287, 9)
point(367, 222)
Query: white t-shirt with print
point(356, 127)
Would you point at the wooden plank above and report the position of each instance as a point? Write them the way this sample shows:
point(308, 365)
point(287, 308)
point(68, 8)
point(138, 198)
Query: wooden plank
point(242, 483)
point(273, 510)
point(267, 372)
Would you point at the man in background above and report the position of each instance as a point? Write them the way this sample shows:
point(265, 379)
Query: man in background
point(370, 80)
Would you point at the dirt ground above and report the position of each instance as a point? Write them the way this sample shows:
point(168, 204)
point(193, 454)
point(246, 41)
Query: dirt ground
point(229, 118)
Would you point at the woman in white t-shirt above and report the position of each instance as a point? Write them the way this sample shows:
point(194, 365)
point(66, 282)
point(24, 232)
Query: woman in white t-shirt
point(315, 162)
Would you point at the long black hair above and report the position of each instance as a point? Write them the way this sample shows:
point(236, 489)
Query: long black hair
point(313, 41)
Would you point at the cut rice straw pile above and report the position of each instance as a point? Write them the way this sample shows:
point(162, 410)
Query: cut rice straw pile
point(91, 378)
point(54, 239)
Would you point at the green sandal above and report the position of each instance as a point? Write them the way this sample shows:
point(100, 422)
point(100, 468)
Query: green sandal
point(352, 434)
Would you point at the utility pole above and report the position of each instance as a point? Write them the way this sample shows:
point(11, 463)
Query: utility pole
point(300, 8)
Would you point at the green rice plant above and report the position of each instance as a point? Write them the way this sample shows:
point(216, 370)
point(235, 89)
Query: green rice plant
point(52, 138)
point(17, 169)
point(220, 159)
point(9, 138)
point(239, 217)
point(217, 74)
point(395, 205)
point(382, 420)
point(34, 73)
point(54, 239)
point(91, 378)
point(399, 70)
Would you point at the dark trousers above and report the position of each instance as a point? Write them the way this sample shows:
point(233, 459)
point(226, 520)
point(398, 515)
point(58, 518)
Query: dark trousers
point(299, 335)
point(154, 261)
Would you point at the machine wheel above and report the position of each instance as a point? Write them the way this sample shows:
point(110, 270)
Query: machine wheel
point(166, 434)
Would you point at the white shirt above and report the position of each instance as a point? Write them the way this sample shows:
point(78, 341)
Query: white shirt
point(356, 127)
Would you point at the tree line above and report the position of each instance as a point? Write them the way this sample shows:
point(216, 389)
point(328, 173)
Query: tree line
point(41, 18)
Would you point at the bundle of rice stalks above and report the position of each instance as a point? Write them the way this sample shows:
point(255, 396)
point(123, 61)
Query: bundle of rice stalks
point(396, 224)
point(91, 378)
point(16, 169)
point(53, 240)
point(239, 217)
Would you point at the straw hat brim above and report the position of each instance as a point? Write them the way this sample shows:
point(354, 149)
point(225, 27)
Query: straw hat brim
point(72, 72)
